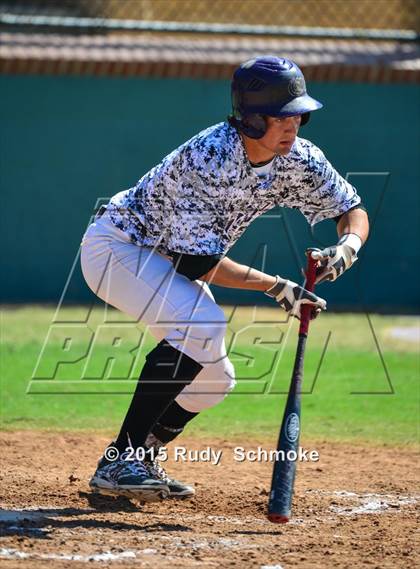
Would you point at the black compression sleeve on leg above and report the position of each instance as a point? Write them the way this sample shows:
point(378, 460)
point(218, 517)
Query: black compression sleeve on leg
point(172, 423)
point(176, 416)
point(165, 374)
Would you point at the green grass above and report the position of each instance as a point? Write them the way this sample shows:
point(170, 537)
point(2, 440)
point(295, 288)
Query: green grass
point(351, 397)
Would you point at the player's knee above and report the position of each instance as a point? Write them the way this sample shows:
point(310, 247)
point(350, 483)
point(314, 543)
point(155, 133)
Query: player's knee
point(229, 379)
point(209, 388)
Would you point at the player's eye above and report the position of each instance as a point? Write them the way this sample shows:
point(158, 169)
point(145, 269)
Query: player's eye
point(296, 118)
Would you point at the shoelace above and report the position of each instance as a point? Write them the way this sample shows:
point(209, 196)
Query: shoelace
point(134, 466)
point(157, 470)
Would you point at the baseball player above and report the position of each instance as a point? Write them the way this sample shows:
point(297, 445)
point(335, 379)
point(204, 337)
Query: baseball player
point(153, 249)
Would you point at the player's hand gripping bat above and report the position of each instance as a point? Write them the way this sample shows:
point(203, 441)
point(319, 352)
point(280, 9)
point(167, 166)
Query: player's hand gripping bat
point(284, 471)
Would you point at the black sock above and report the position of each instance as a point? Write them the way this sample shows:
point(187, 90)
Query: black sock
point(170, 424)
point(165, 374)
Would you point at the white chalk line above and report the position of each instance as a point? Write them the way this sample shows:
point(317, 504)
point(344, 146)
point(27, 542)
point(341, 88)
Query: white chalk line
point(367, 503)
point(106, 556)
point(354, 504)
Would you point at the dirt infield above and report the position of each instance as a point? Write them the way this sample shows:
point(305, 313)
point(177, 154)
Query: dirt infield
point(356, 507)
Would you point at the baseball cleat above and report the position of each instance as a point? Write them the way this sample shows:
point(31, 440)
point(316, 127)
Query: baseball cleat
point(177, 489)
point(129, 478)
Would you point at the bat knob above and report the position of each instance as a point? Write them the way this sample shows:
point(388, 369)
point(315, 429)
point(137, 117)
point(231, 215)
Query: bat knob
point(278, 518)
point(309, 250)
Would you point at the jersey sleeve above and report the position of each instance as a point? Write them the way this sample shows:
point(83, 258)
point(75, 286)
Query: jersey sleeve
point(331, 195)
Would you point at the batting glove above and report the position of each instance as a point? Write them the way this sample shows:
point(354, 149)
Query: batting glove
point(291, 297)
point(333, 261)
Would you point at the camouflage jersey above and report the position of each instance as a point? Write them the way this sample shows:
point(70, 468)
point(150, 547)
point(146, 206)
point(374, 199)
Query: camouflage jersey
point(200, 198)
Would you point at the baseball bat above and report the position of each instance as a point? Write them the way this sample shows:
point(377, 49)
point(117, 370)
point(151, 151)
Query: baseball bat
point(284, 469)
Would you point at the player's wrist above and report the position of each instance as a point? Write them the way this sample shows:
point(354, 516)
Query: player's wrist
point(276, 287)
point(351, 240)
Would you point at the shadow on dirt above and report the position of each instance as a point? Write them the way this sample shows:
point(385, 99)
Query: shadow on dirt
point(41, 523)
point(109, 503)
point(255, 532)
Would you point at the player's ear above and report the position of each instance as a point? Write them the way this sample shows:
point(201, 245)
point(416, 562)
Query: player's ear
point(304, 118)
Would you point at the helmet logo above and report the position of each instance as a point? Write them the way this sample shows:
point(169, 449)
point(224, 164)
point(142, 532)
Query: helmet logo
point(296, 86)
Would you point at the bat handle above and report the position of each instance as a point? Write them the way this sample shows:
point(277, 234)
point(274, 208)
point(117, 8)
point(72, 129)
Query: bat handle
point(310, 274)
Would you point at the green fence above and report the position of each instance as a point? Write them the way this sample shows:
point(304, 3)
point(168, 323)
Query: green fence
point(66, 142)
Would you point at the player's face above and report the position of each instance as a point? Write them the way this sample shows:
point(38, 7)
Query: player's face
point(281, 134)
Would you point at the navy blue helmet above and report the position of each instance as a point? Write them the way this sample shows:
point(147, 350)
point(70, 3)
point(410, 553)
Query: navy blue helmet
point(268, 86)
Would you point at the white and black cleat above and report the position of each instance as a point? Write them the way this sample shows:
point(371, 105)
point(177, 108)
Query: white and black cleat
point(177, 489)
point(128, 478)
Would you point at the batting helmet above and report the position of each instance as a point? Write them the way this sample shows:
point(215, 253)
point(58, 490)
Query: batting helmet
point(268, 86)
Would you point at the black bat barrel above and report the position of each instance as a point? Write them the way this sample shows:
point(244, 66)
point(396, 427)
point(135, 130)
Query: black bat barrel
point(284, 471)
